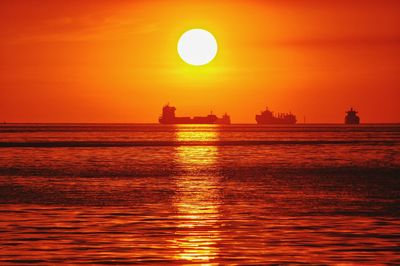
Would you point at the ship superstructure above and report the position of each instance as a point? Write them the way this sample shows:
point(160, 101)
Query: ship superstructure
point(168, 117)
point(268, 117)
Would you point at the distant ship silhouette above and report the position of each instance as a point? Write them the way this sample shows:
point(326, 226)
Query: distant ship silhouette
point(268, 117)
point(351, 117)
point(168, 117)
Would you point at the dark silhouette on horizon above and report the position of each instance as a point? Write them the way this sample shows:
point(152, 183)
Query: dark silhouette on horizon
point(168, 117)
point(268, 117)
point(351, 117)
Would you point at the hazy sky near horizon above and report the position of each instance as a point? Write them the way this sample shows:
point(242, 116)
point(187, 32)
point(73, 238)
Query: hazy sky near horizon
point(116, 61)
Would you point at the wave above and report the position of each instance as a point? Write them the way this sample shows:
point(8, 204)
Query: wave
point(235, 172)
point(105, 144)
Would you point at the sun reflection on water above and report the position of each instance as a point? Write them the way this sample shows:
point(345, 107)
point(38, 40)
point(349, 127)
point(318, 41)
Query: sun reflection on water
point(197, 199)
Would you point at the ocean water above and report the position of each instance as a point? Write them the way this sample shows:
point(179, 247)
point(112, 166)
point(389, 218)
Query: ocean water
point(198, 194)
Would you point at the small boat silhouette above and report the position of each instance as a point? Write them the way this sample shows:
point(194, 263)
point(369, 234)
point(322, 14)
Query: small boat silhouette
point(351, 117)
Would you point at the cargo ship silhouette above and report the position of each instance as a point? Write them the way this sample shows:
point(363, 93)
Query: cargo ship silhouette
point(351, 117)
point(168, 117)
point(268, 117)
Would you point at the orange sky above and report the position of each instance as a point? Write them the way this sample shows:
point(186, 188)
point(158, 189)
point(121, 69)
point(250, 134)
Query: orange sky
point(116, 61)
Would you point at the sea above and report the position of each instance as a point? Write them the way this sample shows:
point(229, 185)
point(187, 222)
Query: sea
point(147, 194)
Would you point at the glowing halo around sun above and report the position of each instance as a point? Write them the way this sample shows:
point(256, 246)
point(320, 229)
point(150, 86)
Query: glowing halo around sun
point(197, 47)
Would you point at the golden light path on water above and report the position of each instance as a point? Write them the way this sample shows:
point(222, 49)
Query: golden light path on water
point(197, 200)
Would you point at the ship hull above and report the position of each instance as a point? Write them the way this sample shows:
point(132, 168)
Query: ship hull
point(274, 121)
point(352, 121)
point(197, 121)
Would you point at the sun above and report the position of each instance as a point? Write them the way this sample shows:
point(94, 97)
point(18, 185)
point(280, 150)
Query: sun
point(197, 47)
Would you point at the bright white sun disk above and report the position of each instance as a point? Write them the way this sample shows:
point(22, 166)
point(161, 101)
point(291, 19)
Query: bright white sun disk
point(197, 47)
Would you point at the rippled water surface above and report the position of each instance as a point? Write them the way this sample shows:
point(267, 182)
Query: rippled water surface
point(240, 194)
